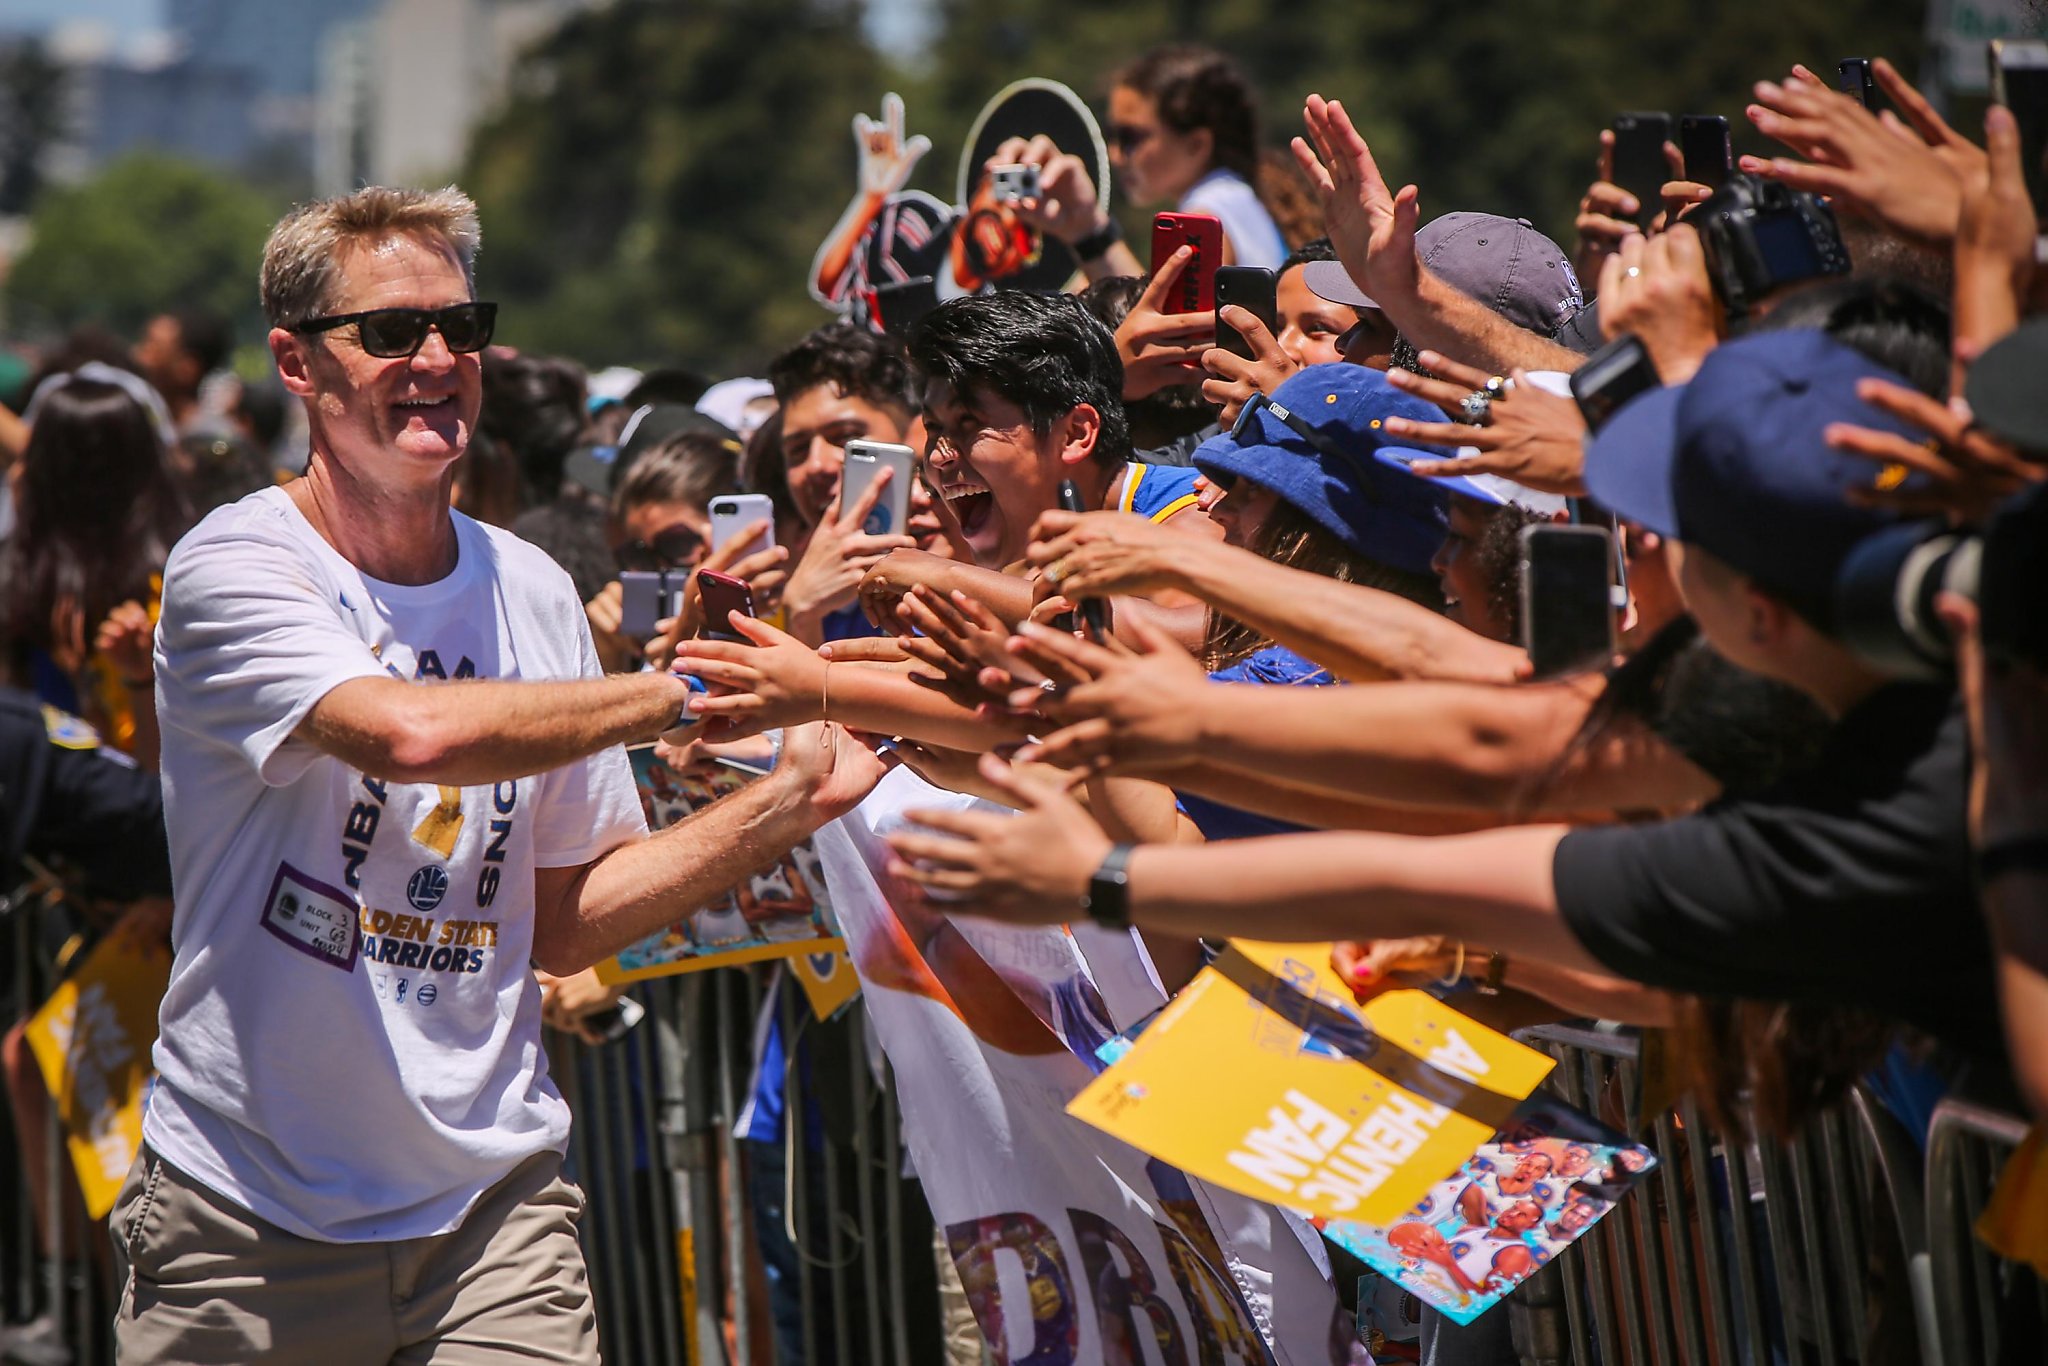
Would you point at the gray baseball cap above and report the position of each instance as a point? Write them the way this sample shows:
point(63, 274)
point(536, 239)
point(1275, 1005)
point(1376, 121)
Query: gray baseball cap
point(1503, 262)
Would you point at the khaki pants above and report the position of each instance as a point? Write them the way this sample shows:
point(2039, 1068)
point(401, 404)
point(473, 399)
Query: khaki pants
point(205, 1281)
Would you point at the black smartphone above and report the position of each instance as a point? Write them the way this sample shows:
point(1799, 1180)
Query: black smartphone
point(647, 598)
point(1611, 376)
point(1567, 598)
point(1639, 164)
point(896, 307)
point(2019, 81)
point(723, 595)
point(1709, 153)
point(1093, 613)
point(1252, 288)
point(1853, 78)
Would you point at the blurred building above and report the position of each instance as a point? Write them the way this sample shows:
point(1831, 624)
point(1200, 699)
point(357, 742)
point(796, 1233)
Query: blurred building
point(400, 88)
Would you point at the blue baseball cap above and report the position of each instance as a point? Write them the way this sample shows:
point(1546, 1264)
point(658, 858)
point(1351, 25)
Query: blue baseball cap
point(1314, 443)
point(1737, 463)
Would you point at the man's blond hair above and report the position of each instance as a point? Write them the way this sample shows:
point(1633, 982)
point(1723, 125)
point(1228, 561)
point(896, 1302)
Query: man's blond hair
point(301, 259)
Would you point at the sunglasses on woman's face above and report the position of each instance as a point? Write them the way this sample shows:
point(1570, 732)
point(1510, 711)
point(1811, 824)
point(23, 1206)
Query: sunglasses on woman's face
point(399, 333)
point(1128, 137)
point(675, 548)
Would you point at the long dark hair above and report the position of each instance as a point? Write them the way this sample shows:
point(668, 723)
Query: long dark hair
point(1291, 537)
point(96, 513)
point(1199, 87)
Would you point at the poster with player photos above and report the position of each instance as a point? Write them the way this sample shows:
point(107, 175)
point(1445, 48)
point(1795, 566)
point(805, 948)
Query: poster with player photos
point(1527, 1194)
point(780, 912)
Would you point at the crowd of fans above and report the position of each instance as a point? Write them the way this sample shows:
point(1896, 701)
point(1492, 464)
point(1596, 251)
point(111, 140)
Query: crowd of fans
point(1794, 817)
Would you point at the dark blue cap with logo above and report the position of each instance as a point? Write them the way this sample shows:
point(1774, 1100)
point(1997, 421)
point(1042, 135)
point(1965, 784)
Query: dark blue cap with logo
point(1336, 479)
point(1737, 462)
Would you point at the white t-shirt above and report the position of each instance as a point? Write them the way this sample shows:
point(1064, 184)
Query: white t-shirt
point(1253, 236)
point(350, 1045)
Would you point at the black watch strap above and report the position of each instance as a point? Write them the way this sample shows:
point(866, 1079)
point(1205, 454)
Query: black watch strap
point(1107, 901)
point(2019, 854)
point(1097, 244)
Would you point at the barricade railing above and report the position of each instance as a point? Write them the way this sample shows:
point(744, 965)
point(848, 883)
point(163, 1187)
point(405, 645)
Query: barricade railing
point(1734, 1252)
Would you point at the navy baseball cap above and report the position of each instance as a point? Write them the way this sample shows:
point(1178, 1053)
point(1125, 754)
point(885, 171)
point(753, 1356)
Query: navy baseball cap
point(1737, 463)
point(1314, 443)
point(1504, 263)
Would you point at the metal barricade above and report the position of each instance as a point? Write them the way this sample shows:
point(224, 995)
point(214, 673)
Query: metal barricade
point(1739, 1251)
point(686, 1228)
point(55, 1304)
point(1973, 1290)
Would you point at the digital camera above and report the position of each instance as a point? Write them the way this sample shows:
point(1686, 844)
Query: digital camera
point(1886, 590)
point(1760, 236)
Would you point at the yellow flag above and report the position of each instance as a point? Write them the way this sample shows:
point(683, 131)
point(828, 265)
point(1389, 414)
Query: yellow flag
point(91, 1040)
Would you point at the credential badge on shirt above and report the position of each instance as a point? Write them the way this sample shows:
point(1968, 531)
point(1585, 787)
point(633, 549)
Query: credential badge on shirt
point(315, 919)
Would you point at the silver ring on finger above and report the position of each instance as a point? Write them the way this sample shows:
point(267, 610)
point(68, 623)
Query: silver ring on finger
point(1632, 272)
point(1472, 412)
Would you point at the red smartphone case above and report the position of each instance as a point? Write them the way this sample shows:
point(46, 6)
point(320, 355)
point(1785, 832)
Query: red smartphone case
point(1195, 291)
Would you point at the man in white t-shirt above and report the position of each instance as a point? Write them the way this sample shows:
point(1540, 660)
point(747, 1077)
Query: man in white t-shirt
point(352, 1153)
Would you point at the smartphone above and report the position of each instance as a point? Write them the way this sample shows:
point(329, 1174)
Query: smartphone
point(733, 513)
point(723, 595)
point(1709, 154)
point(1567, 602)
point(2019, 81)
point(1093, 612)
point(1611, 376)
point(1853, 78)
point(648, 598)
point(1195, 291)
point(1017, 180)
point(865, 460)
point(1252, 288)
point(896, 307)
point(1639, 164)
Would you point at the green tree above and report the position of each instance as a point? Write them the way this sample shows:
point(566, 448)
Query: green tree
point(148, 233)
point(655, 186)
point(1493, 105)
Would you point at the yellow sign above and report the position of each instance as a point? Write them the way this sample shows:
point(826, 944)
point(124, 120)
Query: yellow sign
point(827, 980)
point(91, 1040)
point(1265, 1077)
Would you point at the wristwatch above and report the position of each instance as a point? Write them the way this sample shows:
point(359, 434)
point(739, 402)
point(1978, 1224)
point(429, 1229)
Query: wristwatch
point(1096, 244)
point(1107, 901)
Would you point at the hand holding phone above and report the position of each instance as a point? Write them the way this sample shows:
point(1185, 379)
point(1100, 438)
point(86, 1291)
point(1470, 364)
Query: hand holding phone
point(1567, 598)
point(865, 461)
point(1253, 289)
point(1093, 611)
point(1195, 291)
point(723, 595)
point(1640, 166)
point(732, 514)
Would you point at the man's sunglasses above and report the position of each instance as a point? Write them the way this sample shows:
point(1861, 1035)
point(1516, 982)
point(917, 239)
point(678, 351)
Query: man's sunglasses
point(395, 333)
point(674, 548)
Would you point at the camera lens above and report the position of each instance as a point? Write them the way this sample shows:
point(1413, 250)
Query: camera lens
point(1885, 595)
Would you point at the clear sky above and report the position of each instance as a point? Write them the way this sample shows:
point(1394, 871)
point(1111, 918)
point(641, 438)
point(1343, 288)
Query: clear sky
point(126, 17)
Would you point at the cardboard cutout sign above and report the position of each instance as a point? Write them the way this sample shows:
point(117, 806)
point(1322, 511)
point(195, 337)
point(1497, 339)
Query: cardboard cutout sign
point(895, 252)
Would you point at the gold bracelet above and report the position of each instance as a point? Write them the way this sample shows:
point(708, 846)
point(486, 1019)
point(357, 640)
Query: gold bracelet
point(1457, 971)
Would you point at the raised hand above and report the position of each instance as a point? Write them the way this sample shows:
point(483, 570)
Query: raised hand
point(1969, 471)
point(1029, 868)
point(1658, 288)
point(773, 680)
point(1530, 435)
point(1371, 227)
point(1118, 711)
point(886, 158)
point(1097, 554)
point(1160, 349)
point(838, 557)
point(1910, 179)
point(1233, 378)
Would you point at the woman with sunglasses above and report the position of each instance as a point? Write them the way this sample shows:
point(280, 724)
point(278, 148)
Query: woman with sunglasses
point(662, 508)
point(1184, 130)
